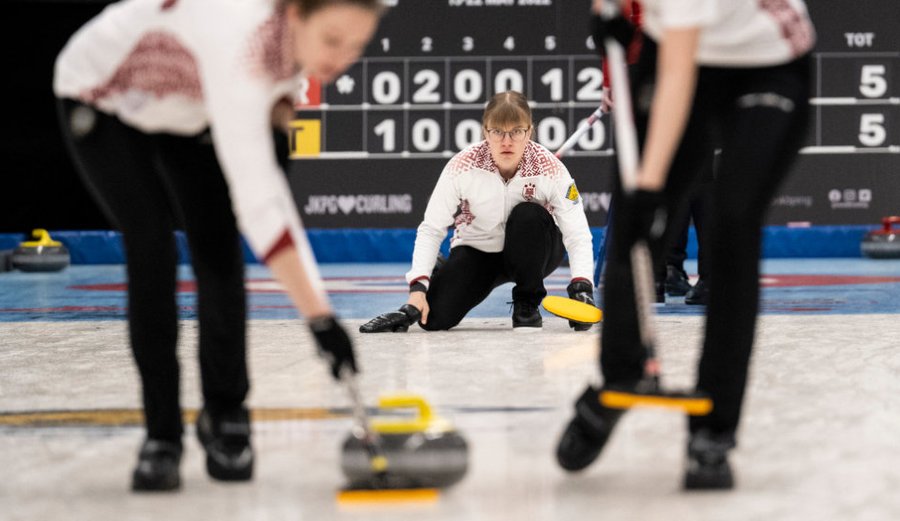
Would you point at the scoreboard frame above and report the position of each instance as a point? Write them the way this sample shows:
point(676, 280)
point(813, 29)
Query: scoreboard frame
point(387, 126)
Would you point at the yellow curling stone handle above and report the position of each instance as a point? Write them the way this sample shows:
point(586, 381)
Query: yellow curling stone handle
point(41, 238)
point(424, 421)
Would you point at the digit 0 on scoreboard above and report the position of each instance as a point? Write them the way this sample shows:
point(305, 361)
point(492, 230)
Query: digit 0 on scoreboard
point(466, 81)
point(465, 128)
point(426, 131)
point(385, 81)
point(509, 74)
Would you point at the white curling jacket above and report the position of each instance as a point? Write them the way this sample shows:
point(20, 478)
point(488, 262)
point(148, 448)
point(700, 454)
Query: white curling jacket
point(472, 196)
point(180, 66)
point(736, 33)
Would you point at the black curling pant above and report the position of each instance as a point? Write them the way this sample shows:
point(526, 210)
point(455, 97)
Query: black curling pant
point(759, 115)
point(532, 249)
point(147, 184)
point(698, 213)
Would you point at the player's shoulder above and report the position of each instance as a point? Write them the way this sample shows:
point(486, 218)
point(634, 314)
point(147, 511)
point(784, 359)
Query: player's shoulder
point(474, 156)
point(538, 161)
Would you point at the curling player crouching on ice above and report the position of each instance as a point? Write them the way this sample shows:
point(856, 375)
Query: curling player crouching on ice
point(513, 206)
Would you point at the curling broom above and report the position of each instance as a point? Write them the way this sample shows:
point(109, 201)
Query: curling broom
point(649, 391)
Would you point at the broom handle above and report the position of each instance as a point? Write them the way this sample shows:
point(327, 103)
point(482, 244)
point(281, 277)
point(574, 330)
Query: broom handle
point(627, 153)
point(580, 131)
point(361, 430)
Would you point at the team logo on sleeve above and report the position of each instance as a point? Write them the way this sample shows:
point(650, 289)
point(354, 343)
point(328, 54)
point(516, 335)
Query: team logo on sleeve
point(528, 191)
point(572, 193)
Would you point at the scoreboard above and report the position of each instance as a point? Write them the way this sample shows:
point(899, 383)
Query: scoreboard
point(368, 148)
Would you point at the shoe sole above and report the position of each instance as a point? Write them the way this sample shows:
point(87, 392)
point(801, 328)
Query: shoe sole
point(708, 482)
point(139, 484)
point(220, 473)
point(527, 329)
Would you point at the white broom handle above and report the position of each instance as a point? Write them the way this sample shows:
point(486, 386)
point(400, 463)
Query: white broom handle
point(627, 152)
point(626, 136)
point(580, 131)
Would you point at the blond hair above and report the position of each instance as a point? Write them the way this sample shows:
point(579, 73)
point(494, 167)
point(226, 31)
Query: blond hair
point(506, 109)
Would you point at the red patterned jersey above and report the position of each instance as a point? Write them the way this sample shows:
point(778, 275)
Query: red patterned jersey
point(736, 33)
point(473, 198)
point(181, 66)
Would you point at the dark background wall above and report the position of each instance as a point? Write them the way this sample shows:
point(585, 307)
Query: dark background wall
point(39, 187)
point(377, 189)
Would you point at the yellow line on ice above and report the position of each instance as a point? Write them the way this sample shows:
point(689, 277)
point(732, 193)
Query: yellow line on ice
point(125, 417)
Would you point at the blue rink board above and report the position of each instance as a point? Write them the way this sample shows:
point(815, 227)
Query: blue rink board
point(358, 291)
point(395, 245)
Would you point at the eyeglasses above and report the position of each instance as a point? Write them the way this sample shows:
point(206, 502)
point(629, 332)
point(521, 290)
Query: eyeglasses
point(516, 134)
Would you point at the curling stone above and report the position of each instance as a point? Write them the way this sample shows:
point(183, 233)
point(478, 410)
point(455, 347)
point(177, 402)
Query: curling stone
point(40, 254)
point(424, 450)
point(883, 243)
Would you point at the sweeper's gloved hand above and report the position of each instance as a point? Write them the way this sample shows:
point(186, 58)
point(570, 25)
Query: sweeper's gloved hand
point(582, 291)
point(334, 344)
point(646, 216)
point(619, 28)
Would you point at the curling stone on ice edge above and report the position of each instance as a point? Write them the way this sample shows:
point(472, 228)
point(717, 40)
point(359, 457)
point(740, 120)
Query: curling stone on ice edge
point(421, 451)
point(40, 254)
point(883, 243)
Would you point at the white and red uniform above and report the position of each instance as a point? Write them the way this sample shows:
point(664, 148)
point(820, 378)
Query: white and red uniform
point(736, 33)
point(180, 66)
point(472, 195)
point(752, 102)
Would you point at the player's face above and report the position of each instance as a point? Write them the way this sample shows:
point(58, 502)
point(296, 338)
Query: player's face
point(507, 144)
point(330, 39)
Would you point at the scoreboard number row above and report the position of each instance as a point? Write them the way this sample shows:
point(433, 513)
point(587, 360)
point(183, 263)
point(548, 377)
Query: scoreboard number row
point(426, 135)
point(468, 85)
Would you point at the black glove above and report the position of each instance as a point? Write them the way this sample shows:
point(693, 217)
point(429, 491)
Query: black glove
point(645, 216)
point(619, 28)
point(334, 344)
point(394, 321)
point(581, 291)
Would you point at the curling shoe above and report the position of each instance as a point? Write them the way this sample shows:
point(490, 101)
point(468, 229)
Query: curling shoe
point(697, 295)
point(677, 283)
point(587, 433)
point(526, 316)
point(157, 468)
point(226, 439)
point(707, 461)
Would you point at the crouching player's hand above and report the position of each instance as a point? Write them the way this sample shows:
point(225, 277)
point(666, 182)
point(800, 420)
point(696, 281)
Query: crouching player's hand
point(582, 291)
point(418, 300)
